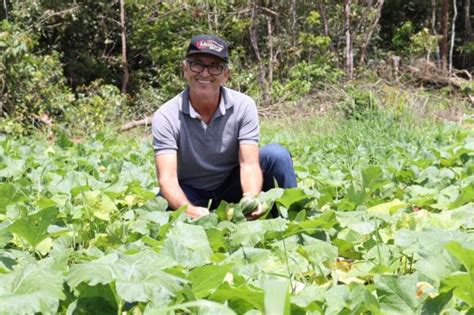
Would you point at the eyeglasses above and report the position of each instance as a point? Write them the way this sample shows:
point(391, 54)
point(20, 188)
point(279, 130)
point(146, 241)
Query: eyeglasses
point(213, 69)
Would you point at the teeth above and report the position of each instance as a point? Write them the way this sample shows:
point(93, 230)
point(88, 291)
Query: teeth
point(204, 81)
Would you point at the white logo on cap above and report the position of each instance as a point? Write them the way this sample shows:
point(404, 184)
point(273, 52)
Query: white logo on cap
point(209, 44)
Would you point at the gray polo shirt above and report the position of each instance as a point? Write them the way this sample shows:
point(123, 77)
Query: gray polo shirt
point(206, 153)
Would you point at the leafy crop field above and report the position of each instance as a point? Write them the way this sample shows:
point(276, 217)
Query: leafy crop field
point(382, 223)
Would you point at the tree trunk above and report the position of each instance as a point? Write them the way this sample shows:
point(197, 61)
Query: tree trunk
point(271, 60)
point(261, 69)
point(294, 32)
point(453, 33)
point(368, 34)
point(209, 18)
point(467, 21)
point(433, 17)
point(443, 45)
point(347, 28)
point(324, 17)
point(126, 74)
point(5, 7)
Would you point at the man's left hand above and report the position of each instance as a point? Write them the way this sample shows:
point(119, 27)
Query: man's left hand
point(257, 213)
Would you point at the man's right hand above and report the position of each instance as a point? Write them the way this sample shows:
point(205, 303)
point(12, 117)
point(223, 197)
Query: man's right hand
point(196, 212)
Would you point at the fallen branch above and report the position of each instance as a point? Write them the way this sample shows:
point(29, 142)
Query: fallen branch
point(438, 79)
point(441, 80)
point(135, 123)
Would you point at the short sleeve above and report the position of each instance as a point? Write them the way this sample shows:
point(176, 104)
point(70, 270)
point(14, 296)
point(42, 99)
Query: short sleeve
point(249, 125)
point(164, 137)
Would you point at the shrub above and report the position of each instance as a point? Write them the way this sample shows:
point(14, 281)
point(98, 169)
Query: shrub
point(31, 85)
point(359, 103)
point(97, 105)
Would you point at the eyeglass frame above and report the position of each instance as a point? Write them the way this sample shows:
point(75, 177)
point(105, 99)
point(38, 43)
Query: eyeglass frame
point(223, 66)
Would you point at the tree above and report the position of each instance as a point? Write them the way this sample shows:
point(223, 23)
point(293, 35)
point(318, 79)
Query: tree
point(453, 35)
point(369, 33)
point(261, 69)
point(123, 33)
point(443, 43)
point(348, 50)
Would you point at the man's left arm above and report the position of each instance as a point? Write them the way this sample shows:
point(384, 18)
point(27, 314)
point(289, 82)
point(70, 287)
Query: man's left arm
point(251, 178)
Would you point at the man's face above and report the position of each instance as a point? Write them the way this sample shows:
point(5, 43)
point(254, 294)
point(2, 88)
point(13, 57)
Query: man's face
point(205, 74)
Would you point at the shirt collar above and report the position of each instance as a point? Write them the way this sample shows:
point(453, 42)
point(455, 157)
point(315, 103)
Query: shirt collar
point(226, 102)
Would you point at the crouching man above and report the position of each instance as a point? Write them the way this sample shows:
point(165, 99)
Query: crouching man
point(206, 138)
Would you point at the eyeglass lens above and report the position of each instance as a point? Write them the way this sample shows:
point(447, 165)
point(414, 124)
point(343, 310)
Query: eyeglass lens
point(214, 69)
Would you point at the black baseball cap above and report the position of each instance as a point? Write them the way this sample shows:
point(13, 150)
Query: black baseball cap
point(209, 44)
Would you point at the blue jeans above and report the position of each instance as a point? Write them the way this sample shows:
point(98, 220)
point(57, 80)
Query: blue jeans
point(276, 165)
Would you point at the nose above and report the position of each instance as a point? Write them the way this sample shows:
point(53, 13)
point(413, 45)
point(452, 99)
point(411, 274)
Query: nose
point(205, 71)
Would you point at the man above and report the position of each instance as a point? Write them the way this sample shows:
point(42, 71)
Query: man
point(206, 138)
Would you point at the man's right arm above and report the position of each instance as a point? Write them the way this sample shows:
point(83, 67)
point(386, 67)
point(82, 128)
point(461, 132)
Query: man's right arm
point(167, 174)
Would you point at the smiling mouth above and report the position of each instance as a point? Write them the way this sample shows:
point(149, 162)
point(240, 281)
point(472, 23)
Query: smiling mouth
point(204, 81)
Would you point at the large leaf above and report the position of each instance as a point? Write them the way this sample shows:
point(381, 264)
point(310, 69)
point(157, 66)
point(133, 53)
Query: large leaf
point(465, 255)
point(100, 205)
point(99, 271)
point(397, 294)
point(248, 294)
point(206, 279)
point(437, 304)
point(277, 296)
point(462, 284)
point(31, 289)
point(33, 228)
point(252, 232)
point(293, 195)
point(188, 245)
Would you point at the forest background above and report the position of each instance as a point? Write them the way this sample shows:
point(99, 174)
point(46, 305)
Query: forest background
point(84, 65)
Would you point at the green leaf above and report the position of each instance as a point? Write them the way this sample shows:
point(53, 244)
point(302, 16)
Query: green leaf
point(252, 232)
point(387, 208)
point(291, 196)
point(462, 285)
point(98, 299)
point(137, 277)
point(363, 301)
point(319, 252)
point(466, 195)
point(324, 221)
point(33, 228)
point(465, 255)
point(245, 293)
point(31, 289)
point(203, 306)
point(13, 169)
point(336, 298)
point(309, 295)
point(188, 245)
point(99, 204)
point(277, 296)
point(372, 177)
point(8, 195)
point(397, 294)
point(437, 304)
point(99, 271)
point(206, 279)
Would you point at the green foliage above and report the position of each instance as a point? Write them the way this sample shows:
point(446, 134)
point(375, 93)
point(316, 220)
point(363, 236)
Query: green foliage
point(401, 38)
point(31, 85)
point(423, 43)
point(96, 106)
point(359, 103)
point(381, 223)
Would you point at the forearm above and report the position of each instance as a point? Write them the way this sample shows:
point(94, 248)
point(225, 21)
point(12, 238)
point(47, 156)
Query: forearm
point(173, 193)
point(251, 179)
